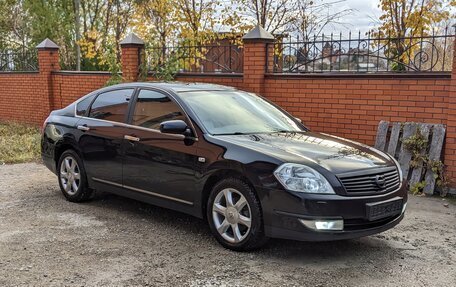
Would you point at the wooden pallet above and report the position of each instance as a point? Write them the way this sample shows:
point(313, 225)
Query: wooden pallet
point(390, 137)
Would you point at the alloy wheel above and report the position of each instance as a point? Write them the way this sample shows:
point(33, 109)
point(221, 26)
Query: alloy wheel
point(70, 175)
point(231, 215)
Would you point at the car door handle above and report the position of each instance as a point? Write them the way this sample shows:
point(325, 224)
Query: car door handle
point(131, 138)
point(83, 128)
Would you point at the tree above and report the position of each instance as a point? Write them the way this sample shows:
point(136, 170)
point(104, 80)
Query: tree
point(77, 26)
point(197, 19)
point(274, 16)
point(14, 25)
point(313, 16)
point(403, 18)
point(155, 20)
point(25, 23)
point(178, 31)
point(403, 21)
point(52, 19)
point(104, 24)
point(121, 12)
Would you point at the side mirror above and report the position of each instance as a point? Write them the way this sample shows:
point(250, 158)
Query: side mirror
point(174, 127)
point(298, 119)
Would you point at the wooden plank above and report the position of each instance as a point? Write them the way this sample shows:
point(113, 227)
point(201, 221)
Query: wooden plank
point(417, 172)
point(435, 152)
point(405, 156)
point(382, 131)
point(394, 139)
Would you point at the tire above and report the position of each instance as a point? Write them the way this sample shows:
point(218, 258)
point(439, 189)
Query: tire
point(70, 169)
point(229, 221)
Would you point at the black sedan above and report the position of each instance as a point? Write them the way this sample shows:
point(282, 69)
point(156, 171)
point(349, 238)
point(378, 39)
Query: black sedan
point(231, 157)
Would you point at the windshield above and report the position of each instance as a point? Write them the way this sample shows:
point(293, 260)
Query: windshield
point(235, 112)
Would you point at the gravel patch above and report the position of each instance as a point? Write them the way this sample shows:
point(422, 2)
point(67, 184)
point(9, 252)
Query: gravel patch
point(113, 241)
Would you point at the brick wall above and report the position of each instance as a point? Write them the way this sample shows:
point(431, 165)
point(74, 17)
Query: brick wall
point(19, 97)
point(346, 105)
point(450, 141)
point(353, 106)
point(70, 86)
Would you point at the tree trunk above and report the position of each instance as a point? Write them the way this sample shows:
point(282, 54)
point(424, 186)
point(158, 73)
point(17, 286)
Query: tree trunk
point(77, 22)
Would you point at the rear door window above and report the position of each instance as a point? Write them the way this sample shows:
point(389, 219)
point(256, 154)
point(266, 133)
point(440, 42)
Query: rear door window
point(111, 106)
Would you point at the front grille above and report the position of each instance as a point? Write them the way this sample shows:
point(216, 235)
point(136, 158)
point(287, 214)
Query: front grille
point(376, 181)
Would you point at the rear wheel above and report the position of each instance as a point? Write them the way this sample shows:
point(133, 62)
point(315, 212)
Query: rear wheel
point(72, 177)
point(234, 215)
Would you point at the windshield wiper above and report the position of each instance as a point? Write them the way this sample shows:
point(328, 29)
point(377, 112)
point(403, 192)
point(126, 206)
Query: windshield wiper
point(283, 131)
point(229, 134)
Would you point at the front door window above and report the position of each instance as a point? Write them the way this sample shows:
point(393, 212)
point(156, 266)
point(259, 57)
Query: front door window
point(152, 108)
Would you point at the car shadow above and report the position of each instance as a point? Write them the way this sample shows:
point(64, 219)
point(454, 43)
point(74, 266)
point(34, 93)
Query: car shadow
point(343, 251)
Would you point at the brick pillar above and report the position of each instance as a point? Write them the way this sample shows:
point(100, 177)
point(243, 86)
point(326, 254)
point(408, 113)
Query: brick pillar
point(132, 47)
point(48, 61)
point(256, 55)
point(450, 141)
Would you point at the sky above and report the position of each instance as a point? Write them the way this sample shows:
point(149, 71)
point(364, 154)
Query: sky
point(364, 16)
point(365, 13)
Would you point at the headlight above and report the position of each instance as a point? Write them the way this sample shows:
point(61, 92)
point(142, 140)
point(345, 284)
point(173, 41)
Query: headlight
point(301, 178)
point(401, 176)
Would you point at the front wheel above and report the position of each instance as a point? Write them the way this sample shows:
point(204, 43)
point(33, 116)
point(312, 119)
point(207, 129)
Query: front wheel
point(72, 177)
point(234, 215)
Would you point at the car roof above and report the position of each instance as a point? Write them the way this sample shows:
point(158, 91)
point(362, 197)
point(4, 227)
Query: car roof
point(177, 87)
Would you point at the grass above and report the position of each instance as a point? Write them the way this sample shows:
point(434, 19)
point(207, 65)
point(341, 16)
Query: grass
point(18, 143)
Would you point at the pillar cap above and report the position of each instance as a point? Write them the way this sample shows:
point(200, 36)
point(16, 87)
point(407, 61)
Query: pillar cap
point(47, 44)
point(132, 39)
point(258, 33)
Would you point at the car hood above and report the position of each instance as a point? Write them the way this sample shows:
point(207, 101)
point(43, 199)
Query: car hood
point(335, 154)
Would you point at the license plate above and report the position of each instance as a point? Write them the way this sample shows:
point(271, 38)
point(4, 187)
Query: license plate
point(378, 210)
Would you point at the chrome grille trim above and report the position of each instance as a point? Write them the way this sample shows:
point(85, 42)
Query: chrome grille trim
point(364, 182)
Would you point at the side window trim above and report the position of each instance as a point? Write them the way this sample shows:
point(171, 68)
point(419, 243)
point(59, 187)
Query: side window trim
point(131, 106)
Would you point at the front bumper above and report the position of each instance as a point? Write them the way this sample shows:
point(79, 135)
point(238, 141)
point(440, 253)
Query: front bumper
point(282, 211)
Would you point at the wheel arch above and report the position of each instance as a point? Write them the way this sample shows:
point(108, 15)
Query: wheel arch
point(62, 146)
point(217, 176)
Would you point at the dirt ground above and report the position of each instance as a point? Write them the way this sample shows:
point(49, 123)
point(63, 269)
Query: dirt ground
point(47, 241)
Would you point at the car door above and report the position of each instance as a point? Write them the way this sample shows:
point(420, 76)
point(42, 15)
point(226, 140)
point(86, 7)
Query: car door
point(158, 164)
point(102, 133)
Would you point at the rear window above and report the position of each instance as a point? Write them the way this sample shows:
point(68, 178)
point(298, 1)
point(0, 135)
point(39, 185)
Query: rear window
point(111, 106)
point(83, 106)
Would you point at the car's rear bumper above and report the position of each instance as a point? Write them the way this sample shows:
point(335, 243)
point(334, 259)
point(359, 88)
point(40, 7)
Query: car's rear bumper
point(283, 217)
point(49, 162)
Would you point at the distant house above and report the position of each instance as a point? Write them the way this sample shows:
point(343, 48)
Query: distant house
point(329, 54)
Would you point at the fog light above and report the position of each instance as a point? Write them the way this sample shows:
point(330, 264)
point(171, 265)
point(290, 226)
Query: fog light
point(321, 225)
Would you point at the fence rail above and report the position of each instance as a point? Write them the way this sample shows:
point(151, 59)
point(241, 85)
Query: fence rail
point(18, 61)
point(223, 58)
point(336, 53)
